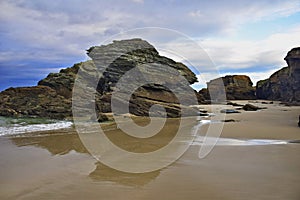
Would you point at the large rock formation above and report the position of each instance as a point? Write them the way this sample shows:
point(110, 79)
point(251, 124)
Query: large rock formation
point(52, 97)
point(283, 85)
point(148, 63)
point(237, 87)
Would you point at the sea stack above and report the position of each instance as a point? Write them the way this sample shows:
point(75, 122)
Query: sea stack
point(53, 96)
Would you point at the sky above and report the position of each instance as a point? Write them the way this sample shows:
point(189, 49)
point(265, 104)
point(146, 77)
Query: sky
point(240, 37)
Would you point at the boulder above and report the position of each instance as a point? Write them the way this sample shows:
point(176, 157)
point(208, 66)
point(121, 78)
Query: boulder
point(250, 107)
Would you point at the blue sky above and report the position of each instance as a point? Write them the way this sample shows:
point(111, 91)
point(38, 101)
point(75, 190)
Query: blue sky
point(240, 37)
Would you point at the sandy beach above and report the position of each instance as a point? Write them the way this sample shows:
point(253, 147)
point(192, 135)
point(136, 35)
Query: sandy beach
point(56, 165)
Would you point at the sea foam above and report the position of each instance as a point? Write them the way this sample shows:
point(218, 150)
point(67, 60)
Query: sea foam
point(12, 126)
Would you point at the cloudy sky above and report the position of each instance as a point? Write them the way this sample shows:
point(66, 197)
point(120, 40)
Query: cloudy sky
point(240, 37)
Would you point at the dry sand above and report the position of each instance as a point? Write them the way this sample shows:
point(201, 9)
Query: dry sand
point(55, 164)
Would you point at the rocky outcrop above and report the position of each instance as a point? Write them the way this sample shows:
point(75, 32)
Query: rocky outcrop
point(283, 85)
point(237, 87)
point(275, 87)
point(52, 97)
point(293, 61)
point(63, 81)
point(39, 101)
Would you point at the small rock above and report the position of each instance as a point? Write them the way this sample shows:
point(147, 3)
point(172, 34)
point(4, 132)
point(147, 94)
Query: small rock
point(264, 102)
point(102, 117)
point(250, 107)
point(203, 114)
point(229, 111)
point(203, 111)
point(299, 121)
point(228, 120)
point(234, 104)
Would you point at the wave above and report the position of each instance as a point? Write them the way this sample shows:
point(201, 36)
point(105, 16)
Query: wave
point(13, 126)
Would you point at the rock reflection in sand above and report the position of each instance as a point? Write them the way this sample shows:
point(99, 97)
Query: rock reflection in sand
point(60, 143)
point(104, 173)
point(64, 143)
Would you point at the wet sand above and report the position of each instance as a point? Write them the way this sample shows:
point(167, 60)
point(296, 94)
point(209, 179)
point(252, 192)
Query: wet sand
point(55, 164)
point(275, 122)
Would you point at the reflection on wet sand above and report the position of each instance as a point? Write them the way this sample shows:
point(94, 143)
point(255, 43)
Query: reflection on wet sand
point(105, 173)
point(62, 143)
point(143, 145)
point(59, 143)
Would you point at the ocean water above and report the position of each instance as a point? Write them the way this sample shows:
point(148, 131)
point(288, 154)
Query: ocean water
point(12, 126)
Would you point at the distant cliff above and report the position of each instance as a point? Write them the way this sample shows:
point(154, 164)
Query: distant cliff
point(52, 97)
point(237, 87)
point(283, 85)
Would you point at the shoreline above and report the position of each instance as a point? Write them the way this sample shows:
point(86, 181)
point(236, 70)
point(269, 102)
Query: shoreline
point(275, 122)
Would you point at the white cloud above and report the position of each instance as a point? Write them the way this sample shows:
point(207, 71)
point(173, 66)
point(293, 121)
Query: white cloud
point(138, 1)
point(265, 55)
point(229, 14)
point(268, 52)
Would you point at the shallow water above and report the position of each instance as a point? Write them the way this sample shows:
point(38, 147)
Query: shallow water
point(238, 142)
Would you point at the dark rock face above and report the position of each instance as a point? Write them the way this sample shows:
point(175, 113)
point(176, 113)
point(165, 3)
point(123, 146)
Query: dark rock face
point(283, 85)
point(237, 87)
point(63, 81)
point(274, 88)
point(39, 101)
point(53, 96)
